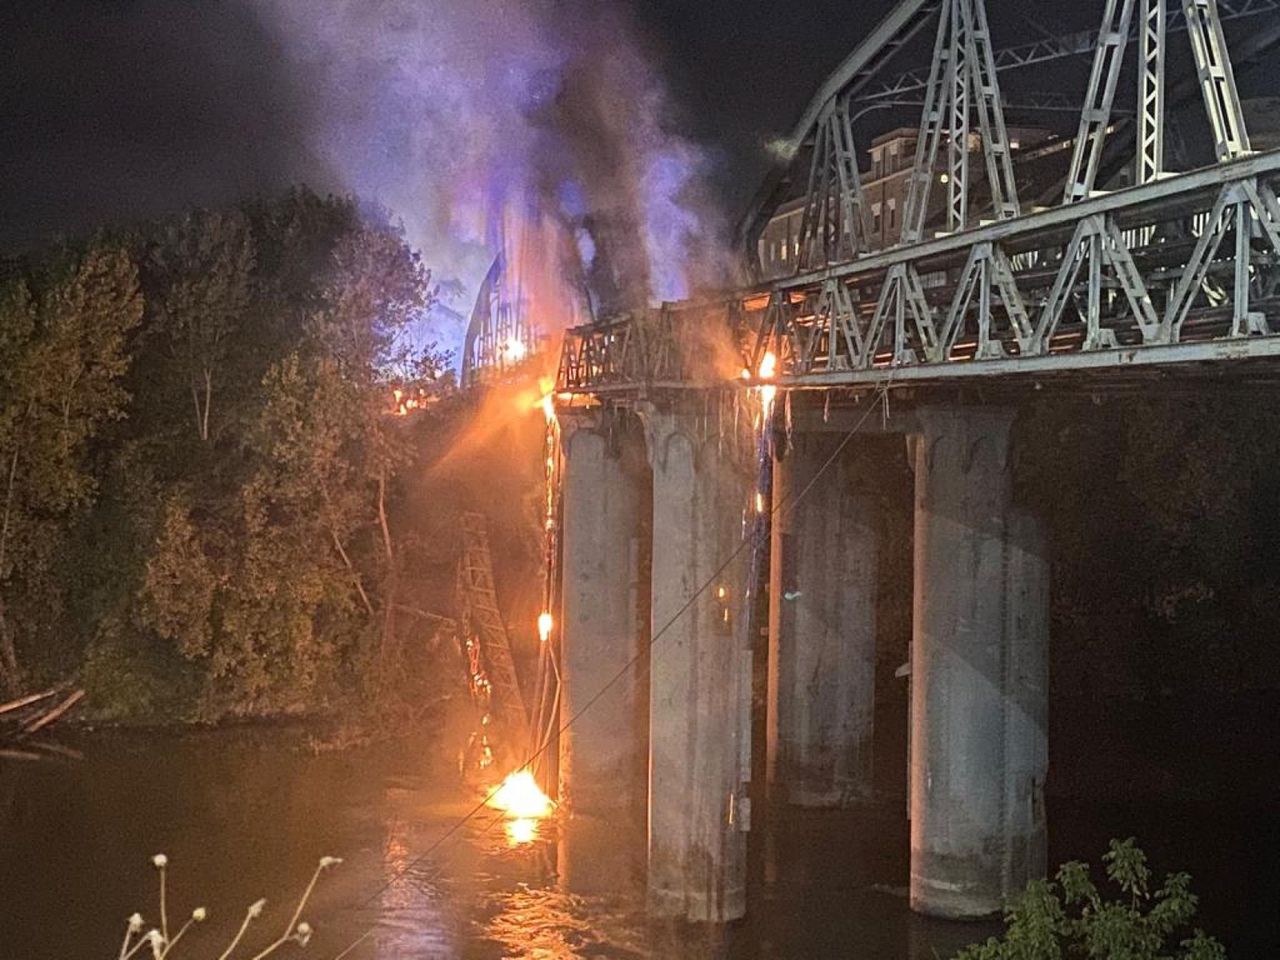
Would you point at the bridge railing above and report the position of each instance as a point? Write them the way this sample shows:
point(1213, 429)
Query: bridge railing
point(1183, 268)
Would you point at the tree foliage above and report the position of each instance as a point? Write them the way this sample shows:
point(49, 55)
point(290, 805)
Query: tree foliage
point(221, 380)
point(63, 327)
point(1070, 917)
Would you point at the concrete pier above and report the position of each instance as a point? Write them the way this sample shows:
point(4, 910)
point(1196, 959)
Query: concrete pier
point(699, 704)
point(822, 630)
point(602, 754)
point(978, 670)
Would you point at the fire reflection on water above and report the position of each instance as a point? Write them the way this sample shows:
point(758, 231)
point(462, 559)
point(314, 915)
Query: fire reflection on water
point(525, 806)
point(522, 830)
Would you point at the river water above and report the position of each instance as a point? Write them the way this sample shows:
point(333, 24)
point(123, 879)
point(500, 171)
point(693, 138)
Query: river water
point(247, 814)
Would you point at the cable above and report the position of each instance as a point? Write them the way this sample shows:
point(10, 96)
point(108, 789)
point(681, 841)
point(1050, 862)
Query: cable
point(774, 510)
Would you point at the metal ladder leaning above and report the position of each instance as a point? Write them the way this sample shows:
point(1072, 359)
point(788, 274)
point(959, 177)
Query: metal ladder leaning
point(482, 623)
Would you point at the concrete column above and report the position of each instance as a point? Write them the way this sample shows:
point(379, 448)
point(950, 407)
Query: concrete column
point(699, 700)
point(978, 672)
point(1026, 732)
point(602, 753)
point(822, 631)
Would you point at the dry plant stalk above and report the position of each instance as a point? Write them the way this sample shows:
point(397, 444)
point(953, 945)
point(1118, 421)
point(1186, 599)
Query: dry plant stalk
point(162, 945)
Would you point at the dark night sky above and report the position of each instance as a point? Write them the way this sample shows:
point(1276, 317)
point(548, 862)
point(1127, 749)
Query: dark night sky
point(116, 109)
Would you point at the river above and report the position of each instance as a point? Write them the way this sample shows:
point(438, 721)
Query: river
point(246, 814)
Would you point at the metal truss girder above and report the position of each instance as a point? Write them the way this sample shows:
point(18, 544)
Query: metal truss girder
point(986, 89)
point(1238, 209)
point(1003, 277)
point(1079, 44)
point(1267, 209)
point(775, 331)
point(1197, 267)
point(1152, 297)
point(1119, 258)
point(833, 227)
point(1063, 285)
point(1035, 101)
point(815, 200)
point(986, 272)
point(916, 205)
point(1131, 201)
point(962, 77)
point(1099, 244)
point(1040, 365)
point(1217, 79)
point(1153, 30)
point(1096, 116)
point(836, 317)
point(902, 297)
point(959, 66)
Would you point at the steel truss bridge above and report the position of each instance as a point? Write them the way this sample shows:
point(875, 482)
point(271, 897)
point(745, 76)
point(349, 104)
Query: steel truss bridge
point(1181, 267)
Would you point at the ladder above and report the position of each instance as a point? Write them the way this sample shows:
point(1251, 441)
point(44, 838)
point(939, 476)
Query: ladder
point(482, 625)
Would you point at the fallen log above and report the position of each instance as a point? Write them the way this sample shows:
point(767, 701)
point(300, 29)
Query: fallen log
point(21, 719)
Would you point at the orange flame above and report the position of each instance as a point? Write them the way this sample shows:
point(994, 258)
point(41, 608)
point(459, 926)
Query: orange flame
point(514, 349)
point(524, 803)
point(520, 796)
point(768, 370)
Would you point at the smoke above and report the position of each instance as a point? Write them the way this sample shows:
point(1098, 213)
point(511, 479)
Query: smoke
point(538, 128)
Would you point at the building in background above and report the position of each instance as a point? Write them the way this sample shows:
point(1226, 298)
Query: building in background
point(884, 189)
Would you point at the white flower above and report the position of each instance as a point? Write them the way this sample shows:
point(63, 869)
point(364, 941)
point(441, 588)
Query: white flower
point(157, 943)
point(199, 914)
point(304, 933)
point(255, 911)
point(326, 862)
point(135, 923)
point(160, 861)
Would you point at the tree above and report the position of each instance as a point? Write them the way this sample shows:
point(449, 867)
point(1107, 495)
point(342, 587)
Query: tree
point(1070, 917)
point(275, 561)
point(62, 354)
point(203, 265)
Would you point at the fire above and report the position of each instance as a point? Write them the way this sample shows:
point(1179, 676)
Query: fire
point(514, 349)
point(545, 623)
point(403, 403)
point(768, 370)
point(520, 797)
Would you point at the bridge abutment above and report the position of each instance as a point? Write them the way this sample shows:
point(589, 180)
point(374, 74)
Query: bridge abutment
point(699, 706)
point(979, 668)
point(822, 629)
